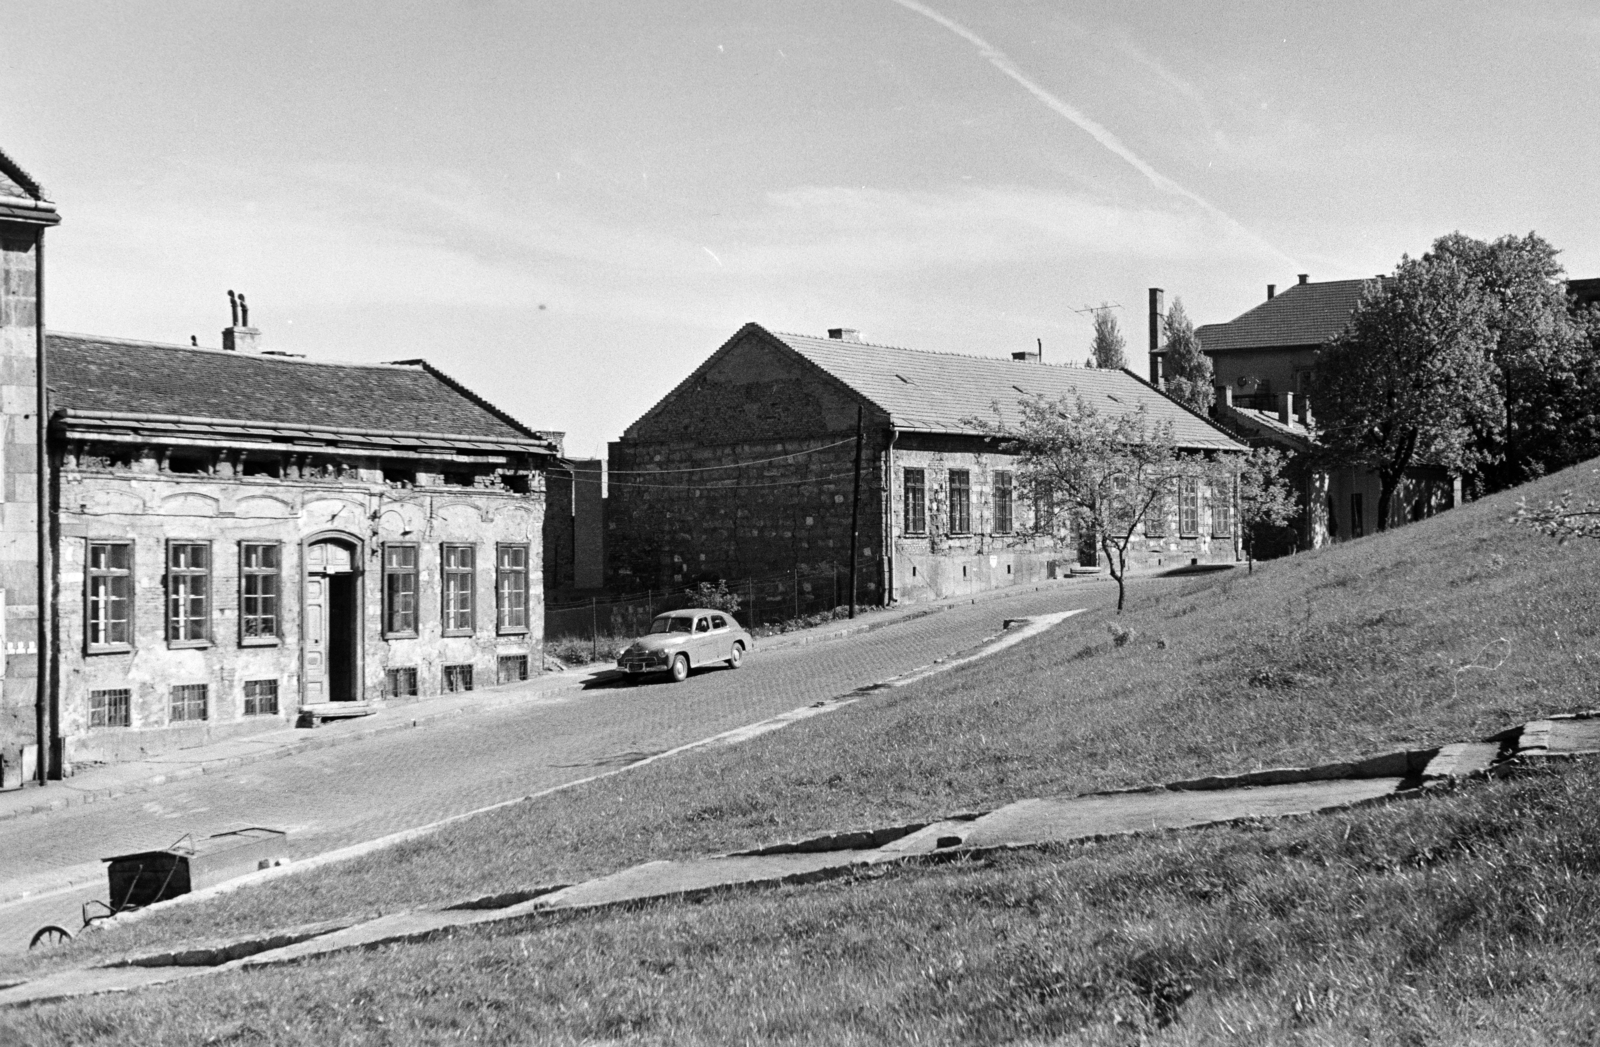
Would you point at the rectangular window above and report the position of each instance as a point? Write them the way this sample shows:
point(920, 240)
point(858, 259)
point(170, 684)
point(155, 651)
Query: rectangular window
point(1002, 502)
point(110, 708)
point(960, 502)
point(1155, 517)
point(109, 596)
point(1044, 512)
point(457, 571)
point(457, 678)
point(1189, 508)
point(400, 683)
point(259, 567)
point(1221, 514)
point(511, 588)
point(916, 516)
point(188, 593)
point(399, 590)
point(188, 702)
point(513, 668)
point(1358, 525)
point(261, 697)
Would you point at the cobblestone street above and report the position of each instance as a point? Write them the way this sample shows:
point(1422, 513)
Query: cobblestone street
point(363, 790)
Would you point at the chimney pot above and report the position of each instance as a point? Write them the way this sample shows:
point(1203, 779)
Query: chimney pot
point(240, 336)
point(1272, 289)
point(1305, 277)
point(844, 334)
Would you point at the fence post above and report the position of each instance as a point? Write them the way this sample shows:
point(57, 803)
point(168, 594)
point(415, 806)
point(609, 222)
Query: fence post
point(594, 630)
point(797, 590)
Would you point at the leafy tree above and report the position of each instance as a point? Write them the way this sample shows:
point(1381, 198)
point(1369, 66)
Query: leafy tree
point(1265, 499)
point(1095, 473)
point(1187, 369)
point(1109, 347)
point(1409, 380)
point(1541, 358)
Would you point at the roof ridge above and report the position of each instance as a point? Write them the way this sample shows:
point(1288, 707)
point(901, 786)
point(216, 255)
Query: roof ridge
point(144, 343)
point(932, 352)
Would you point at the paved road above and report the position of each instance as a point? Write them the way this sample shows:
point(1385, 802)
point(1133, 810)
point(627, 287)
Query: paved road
point(363, 790)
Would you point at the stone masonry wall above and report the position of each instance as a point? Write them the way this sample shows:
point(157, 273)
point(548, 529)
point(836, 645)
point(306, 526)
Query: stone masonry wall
point(19, 513)
point(142, 504)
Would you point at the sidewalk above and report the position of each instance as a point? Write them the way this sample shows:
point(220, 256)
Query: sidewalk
point(107, 781)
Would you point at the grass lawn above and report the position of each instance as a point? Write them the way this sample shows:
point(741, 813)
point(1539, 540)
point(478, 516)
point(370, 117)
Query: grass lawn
point(1448, 629)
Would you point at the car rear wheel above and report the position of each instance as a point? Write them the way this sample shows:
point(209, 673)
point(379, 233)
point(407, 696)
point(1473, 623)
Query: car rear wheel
point(680, 668)
point(736, 659)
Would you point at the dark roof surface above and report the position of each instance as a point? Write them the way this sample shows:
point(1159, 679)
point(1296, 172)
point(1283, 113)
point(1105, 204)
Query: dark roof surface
point(109, 374)
point(938, 392)
point(1304, 314)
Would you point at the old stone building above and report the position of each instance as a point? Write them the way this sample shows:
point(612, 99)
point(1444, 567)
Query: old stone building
point(232, 536)
point(747, 468)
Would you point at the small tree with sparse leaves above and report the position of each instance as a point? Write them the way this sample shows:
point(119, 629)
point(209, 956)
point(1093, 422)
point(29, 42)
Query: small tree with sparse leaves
point(1096, 473)
point(1265, 499)
point(1560, 518)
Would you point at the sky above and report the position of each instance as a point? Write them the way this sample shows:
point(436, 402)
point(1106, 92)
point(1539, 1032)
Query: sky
point(568, 205)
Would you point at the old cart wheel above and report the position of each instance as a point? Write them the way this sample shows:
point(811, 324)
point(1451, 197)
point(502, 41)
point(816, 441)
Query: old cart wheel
point(50, 934)
point(680, 668)
point(736, 659)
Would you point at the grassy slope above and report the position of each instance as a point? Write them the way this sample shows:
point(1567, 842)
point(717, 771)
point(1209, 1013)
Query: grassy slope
point(1447, 629)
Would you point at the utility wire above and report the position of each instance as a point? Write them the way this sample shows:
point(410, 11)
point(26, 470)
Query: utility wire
point(730, 465)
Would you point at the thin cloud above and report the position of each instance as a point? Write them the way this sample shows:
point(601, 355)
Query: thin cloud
point(1098, 132)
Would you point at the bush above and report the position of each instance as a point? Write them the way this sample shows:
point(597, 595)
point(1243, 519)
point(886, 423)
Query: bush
point(717, 597)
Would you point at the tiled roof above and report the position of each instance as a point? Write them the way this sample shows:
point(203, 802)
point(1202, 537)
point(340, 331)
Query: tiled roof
point(1304, 314)
point(940, 392)
point(109, 374)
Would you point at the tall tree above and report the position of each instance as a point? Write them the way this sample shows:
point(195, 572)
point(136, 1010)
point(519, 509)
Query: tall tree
point(1538, 356)
point(1109, 347)
point(1265, 499)
point(1099, 474)
point(1409, 380)
point(1187, 369)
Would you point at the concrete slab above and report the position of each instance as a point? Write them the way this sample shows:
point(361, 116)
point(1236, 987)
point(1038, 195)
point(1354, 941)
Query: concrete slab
point(1083, 817)
point(687, 879)
point(1462, 758)
point(93, 981)
point(1574, 736)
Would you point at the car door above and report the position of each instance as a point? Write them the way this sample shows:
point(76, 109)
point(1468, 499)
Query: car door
point(722, 638)
point(703, 645)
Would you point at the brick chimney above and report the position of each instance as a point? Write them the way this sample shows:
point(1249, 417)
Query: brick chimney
point(240, 337)
point(844, 334)
point(1272, 289)
point(1157, 309)
point(1305, 277)
point(1023, 356)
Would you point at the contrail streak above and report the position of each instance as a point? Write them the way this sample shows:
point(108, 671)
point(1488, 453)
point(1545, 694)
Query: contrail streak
point(1099, 133)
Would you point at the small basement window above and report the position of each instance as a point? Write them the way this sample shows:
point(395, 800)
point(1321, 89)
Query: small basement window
point(272, 467)
point(457, 678)
point(400, 683)
point(261, 697)
point(189, 463)
point(513, 668)
point(110, 708)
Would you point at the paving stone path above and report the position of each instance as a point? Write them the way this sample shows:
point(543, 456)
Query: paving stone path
point(1264, 794)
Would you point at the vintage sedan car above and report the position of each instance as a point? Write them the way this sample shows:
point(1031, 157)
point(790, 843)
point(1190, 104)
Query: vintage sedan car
point(680, 640)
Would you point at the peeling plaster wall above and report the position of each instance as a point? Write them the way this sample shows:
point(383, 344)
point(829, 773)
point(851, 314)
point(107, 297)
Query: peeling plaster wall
point(148, 507)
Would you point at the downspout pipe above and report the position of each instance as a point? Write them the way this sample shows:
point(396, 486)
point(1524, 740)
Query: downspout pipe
point(48, 714)
point(888, 517)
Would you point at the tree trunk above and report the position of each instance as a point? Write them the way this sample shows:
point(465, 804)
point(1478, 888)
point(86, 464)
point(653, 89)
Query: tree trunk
point(1117, 564)
point(1387, 482)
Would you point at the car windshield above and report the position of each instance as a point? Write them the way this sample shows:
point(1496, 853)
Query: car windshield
point(675, 624)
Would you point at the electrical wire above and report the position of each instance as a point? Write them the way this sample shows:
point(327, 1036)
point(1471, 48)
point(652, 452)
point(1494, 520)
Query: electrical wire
point(731, 465)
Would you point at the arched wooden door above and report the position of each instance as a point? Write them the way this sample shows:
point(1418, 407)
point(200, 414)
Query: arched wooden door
point(331, 622)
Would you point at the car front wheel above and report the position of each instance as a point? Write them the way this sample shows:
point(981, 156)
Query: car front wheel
point(736, 658)
point(680, 668)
